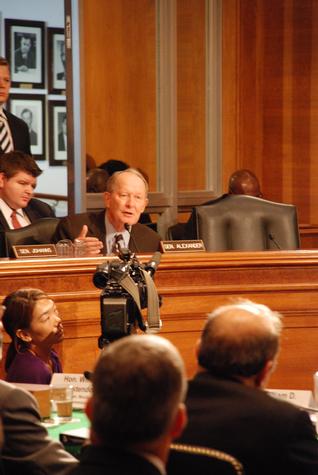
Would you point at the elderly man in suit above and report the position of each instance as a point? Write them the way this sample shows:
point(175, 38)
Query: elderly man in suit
point(14, 133)
point(25, 445)
point(18, 176)
point(227, 406)
point(125, 200)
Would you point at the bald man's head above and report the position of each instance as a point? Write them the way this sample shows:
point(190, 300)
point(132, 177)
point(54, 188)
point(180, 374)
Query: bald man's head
point(239, 339)
point(244, 182)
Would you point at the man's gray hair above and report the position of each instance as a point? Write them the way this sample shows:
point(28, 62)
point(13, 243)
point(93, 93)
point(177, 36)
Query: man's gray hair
point(111, 182)
point(138, 384)
point(238, 339)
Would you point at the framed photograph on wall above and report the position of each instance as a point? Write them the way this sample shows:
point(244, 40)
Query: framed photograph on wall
point(56, 61)
point(31, 109)
point(24, 41)
point(57, 133)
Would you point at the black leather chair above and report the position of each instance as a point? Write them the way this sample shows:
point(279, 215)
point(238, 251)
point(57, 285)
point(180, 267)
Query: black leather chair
point(39, 232)
point(240, 222)
point(195, 460)
point(176, 232)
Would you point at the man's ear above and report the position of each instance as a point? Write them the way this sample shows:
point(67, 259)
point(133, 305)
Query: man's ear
point(106, 199)
point(197, 347)
point(146, 204)
point(23, 335)
point(2, 178)
point(179, 422)
point(89, 408)
point(262, 377)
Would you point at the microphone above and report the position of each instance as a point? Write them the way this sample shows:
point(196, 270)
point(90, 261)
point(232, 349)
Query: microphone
point(272, 238)
point(153, 264)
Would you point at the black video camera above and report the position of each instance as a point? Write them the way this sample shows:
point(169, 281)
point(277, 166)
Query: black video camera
point(127, 287)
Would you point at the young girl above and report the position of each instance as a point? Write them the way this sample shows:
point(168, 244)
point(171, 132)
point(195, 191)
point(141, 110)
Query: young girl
point(33, 323)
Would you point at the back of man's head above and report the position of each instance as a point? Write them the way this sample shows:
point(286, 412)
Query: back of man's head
point(239, 339)
point(14, 162)
point(138, 386)
point(244, 182)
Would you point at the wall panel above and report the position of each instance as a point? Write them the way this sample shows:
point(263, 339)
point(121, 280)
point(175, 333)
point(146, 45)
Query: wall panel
point(120, 81)
point(191, 95)
point(268, 86)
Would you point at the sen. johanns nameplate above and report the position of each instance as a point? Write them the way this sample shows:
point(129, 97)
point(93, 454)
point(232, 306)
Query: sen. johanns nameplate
point(34, 250)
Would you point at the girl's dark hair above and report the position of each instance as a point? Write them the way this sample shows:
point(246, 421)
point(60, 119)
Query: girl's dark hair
point(19, 307)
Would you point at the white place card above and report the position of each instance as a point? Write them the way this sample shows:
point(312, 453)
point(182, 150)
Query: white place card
point(298, 397)
point(82, 388)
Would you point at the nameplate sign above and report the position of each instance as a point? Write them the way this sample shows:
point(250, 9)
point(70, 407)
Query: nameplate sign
point(298, 397)
point(183, 246)
point(82, 388)
point(34, 250)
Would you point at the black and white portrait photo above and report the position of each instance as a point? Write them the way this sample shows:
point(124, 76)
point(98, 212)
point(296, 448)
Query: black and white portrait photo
point(61, 124)
point(30, 118)
point(56, 60)
point(58, 133)
point(30, 108)
point(25, 51)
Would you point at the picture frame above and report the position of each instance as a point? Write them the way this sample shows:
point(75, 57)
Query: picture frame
point(56, 61)
point(31, 109)
point(24, 41)
point(57, 133)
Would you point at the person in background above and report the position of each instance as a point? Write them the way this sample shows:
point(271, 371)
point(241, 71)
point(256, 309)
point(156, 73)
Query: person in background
point(33, 323)
point(26, 447)
point(227, 406)
point(96, 180)
point(136, 410)
point(18, 177)
point(112, 166)
point(241, 182)
point(14, 133)
point(244, 182)
point(125, 200)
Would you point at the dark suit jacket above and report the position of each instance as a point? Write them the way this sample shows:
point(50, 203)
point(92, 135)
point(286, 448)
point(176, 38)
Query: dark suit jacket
point(100, 460)
point(267, 435)
point(20, 133)
point(27, 448)
point(142, 239)
point(35, 210)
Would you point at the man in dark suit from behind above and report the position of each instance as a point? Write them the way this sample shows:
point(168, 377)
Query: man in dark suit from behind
point(228, 408)
point(136, 409)
point(18, 177)
point(125, 200)
point(17, 129)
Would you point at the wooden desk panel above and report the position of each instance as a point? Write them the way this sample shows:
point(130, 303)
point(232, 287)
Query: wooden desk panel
point(191, 286)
